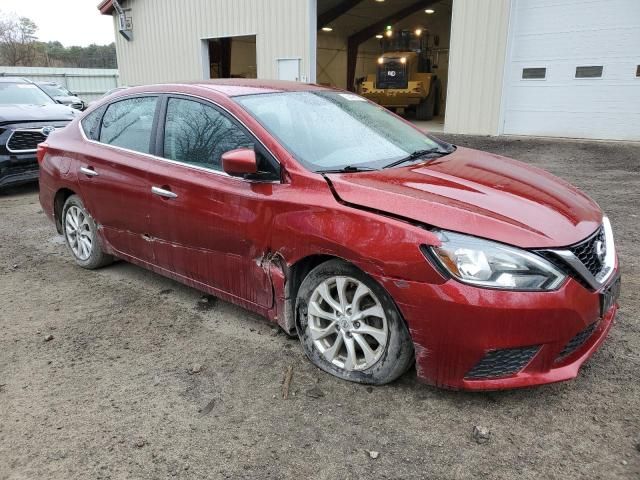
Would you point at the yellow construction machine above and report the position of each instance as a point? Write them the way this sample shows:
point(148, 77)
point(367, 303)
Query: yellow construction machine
point(404, 78)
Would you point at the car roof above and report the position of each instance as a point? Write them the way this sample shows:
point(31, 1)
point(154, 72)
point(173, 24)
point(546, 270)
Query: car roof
point(233, 87)
point(14, 80)
point(245, 86)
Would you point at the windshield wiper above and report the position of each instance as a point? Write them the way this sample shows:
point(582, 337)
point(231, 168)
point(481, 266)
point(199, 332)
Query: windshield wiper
point(348, 169)
point(416, 155)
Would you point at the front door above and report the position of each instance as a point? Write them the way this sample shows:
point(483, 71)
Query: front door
point(208, 227)
point(112, 173)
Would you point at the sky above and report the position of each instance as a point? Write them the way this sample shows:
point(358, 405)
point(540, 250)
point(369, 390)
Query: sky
point(71, 22)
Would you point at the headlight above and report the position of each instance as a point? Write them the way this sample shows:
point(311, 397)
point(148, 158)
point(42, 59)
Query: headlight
point(494, 265)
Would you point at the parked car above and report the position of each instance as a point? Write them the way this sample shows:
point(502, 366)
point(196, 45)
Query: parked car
point(62, 95)
point(109, 92)
point(114, 90)
point(379, 245)
point(27, 117)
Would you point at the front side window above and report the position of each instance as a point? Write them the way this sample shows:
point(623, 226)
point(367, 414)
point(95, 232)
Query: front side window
point(198, 134)
point(129, 123)
point(55, 90)
point(332, 130)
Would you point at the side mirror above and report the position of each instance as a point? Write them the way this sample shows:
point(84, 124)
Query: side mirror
point(240, 161)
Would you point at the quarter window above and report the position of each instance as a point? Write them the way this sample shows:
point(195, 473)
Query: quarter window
point(198, 134)
point(129, 123)
point(91, 123)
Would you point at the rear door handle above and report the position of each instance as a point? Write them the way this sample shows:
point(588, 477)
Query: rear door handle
point(89, 171)
point(161, 192)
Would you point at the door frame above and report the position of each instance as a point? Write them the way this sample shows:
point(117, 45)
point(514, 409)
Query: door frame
point(159, 130)
point(204, 51)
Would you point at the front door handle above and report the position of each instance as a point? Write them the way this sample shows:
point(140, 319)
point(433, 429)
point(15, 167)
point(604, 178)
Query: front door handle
point(163, 193)
point(89, 171)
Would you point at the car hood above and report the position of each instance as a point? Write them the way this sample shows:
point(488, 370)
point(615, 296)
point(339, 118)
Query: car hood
point(67, 99)
point(480, 194)
point(34, 113)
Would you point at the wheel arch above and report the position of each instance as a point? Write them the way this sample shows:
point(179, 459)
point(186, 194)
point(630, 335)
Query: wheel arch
point(299, 270)
point(59, 200)
point(405, 356)
point(293, 275)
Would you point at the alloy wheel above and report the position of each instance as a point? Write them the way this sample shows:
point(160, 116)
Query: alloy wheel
point(347, 323)
point(78, 232)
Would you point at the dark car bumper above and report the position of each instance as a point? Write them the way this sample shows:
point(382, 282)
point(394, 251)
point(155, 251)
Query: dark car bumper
point(18, 169)
point(470, 338)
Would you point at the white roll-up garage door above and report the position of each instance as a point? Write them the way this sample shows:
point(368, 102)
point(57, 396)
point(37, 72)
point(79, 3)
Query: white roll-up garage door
point(573, 69)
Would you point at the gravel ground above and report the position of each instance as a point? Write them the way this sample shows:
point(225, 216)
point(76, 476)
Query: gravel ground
point(120, 373)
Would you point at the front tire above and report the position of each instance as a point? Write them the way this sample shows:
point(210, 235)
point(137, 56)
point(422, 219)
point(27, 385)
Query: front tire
point(81, 235)
point(350, 327)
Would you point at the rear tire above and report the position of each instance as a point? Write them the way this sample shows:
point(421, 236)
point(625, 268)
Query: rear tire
point(81, 235)
point(357, 335)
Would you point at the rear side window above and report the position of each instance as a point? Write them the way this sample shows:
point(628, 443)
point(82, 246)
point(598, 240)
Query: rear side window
point(91, 123)
point(198, 134)
point(128, 124)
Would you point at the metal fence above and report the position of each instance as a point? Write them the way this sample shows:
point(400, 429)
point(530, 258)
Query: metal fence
point(87, 83)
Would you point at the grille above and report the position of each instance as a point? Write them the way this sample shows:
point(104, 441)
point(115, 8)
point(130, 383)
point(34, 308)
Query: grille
point(564, 268)
point(586, 252)
point(502, 363)
point(392, 74)
point(577, 341)
point(25, 140)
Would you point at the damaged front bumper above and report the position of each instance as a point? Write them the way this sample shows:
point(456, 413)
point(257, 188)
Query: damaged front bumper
point(471, 338)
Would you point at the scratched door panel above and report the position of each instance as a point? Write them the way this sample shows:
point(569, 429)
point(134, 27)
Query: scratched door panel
point(118, 197)
point(216, 230)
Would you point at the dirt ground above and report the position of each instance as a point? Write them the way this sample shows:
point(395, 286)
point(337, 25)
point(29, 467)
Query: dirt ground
point(144, 380)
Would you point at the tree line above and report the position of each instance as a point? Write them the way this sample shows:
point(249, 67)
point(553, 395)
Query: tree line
point(19, 46)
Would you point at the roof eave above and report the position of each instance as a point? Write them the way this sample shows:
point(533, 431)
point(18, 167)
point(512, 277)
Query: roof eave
point(106, 7)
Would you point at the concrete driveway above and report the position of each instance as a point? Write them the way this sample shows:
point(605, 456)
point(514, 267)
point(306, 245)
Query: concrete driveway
point(120, 373)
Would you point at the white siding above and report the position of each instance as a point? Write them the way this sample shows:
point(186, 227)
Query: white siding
point(88, 83)
point(560, 35)
point(476, 66)
point(167, 36)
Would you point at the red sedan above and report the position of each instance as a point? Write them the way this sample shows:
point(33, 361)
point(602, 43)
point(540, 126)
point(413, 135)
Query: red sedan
point(378, 245)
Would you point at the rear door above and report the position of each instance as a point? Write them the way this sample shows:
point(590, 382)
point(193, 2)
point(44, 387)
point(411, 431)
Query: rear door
point(112, 173)
point(209, 227)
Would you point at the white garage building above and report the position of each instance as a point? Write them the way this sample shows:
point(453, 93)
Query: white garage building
point(562, 68)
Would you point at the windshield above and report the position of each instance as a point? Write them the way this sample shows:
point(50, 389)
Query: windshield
point(54, 90)
point(22, 94)
point(333, 130)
